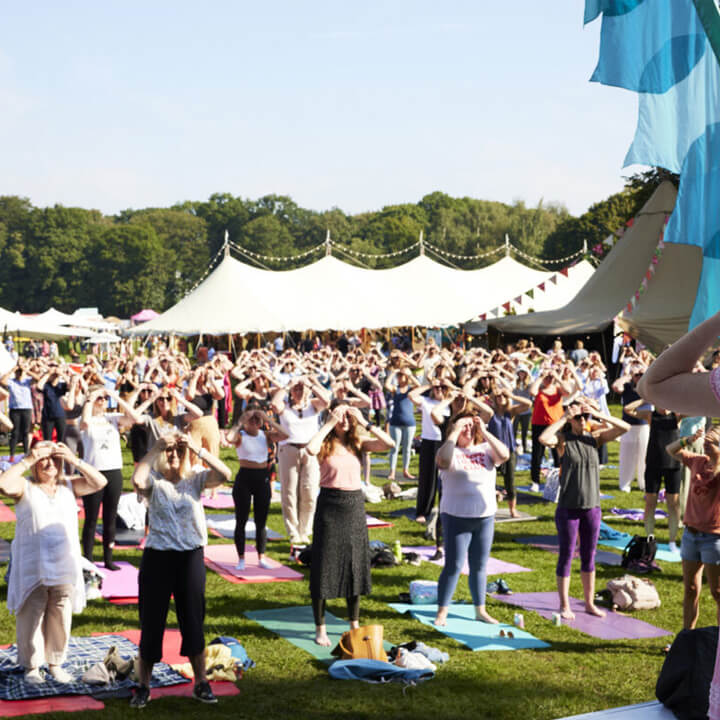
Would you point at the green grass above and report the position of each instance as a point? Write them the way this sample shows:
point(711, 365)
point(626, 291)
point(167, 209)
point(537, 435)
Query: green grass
point(576, 674)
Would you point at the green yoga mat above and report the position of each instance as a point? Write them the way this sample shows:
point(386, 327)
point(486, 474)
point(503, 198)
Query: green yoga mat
point(463, 627)
point(297, 626)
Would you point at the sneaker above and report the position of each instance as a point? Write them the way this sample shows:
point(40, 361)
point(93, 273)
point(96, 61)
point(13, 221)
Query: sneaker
point(265, 564)
point(503, 587)
point(34, 677)
point(240, 564)
point(203, 692)
point(60, 675)
point(141, 697)
point(438, 555)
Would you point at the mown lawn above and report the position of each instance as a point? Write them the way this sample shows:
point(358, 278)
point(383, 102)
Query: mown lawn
point(576, 674)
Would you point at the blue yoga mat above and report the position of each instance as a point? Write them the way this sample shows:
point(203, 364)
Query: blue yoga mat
point(621, 539)
point(463, 627)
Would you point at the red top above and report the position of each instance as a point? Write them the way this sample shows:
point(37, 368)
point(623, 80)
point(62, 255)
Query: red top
point(548, 408)
point(702, 510)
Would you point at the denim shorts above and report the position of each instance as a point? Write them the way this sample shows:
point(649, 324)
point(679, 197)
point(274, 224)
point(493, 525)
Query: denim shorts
point(700, 547)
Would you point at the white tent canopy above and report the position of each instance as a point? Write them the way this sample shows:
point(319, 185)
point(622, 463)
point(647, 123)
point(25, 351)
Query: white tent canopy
point(333, 295)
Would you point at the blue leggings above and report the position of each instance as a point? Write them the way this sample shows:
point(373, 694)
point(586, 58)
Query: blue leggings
point(401, 434)
point(569, 522)
point(463, 538)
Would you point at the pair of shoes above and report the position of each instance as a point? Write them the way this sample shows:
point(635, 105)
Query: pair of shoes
point(141, 697)
point(203, 692)
point(509, 634)
point(503, 587)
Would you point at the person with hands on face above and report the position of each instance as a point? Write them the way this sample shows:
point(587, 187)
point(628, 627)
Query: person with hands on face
point(578, 509)
point(340, 552)
point(46, 583)
point(252, 482)
point(100, 435)
point(467, 461)
point(172, 479)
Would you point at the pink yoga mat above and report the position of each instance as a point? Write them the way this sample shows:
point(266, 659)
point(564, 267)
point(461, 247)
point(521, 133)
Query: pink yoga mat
point(223, 558)
point(614, 626)
point(373, 522)
point(222, 501)
point(494, 567)
point(7, 514)
point(122, 583)
point(56, 704)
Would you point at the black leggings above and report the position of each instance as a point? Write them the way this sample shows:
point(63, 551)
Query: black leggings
point(353, 606)
point(109, 497)
point(538, 452)
point(507, 470)
point(47, 425)
point(251, 483)
point(22, 425)
point(164, 573)
point(427, 477)
point(522, 422)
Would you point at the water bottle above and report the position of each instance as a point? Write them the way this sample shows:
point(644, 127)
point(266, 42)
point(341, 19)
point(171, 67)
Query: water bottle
point(397, 551)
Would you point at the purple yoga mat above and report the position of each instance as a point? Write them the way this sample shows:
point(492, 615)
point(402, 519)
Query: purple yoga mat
point(550, 543)
point(494, 566)
point(613, 626)
point(122, 583)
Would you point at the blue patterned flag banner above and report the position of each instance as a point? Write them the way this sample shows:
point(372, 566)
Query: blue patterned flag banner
point(667, 51)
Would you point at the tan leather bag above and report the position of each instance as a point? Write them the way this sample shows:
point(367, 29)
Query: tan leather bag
point(363, 642)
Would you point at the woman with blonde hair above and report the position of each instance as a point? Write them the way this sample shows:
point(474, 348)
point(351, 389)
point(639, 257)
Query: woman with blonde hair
point(172, 479)
point(46, 583)
point(340, 552)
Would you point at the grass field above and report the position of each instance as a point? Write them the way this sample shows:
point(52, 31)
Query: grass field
point(576, 674)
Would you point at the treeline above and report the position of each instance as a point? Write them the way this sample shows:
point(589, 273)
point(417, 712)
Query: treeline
point(72, 257)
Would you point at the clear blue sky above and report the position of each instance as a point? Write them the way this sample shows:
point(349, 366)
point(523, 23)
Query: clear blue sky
point(357, 105)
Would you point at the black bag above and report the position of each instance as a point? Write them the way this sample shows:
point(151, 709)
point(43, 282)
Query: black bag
point(684, 681)
point(639, 551)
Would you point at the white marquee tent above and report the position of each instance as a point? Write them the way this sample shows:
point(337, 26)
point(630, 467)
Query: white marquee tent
point(333, 295)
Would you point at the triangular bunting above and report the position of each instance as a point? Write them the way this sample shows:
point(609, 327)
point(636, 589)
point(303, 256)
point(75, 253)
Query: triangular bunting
point(630, 222)
point(553, 279)
point(530, 294)
point(518, 300)
point(541, 287)
point(564, 271)
point(506, 306)
point(483, 317)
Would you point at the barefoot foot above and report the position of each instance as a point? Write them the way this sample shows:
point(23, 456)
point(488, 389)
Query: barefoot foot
point(482, 615)
point(594, 610)
point(441, 617)
point(321, 637)
point(567, 614)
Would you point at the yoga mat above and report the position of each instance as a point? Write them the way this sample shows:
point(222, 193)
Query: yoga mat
point(222, 500)
point(634, 514)
point(653, 710)
point(503, 515)
point(550, 543)
point(40, 706)
point(4, 550)
point(124, 537)
point(122, 583)
point(7, 514)
point(614, 626)
point(297, 626)
point(223, 558)
point(223, 526)
point(463, 627)
point(494, 566)
point(663, 549)
point(373, 522)
point(538, 493)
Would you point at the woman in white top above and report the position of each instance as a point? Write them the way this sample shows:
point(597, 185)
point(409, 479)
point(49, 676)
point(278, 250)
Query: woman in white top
point(467, 462)
point(252, 483)
point(100, 435)
point(46, 583)
point(173, 480)
point(298, 412)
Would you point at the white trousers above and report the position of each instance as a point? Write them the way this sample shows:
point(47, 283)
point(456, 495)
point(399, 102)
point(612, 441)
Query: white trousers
point(42, 626)
point(633, 448)
point(299, 480)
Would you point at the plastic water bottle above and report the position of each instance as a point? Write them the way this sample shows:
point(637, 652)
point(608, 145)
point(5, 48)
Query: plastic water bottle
point(397, 551)
point(519, 621)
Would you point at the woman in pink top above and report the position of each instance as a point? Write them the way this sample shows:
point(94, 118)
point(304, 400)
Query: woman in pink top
point(340, 552)
point(672, 382)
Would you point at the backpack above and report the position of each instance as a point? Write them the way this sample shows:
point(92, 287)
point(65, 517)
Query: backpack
point(639, 554)
point(551, 489)
point(632, 593)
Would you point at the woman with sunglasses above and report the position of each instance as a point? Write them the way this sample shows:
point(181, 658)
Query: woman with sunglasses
point(172, 480)
point(576, 441)
point(100, 434)
point(46, 582)
point(252, 483)
point(340, 565)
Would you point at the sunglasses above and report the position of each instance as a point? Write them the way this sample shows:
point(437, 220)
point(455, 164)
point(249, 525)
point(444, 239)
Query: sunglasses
point(175, 450)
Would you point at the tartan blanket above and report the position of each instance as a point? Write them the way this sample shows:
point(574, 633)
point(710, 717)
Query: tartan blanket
point(82, 653)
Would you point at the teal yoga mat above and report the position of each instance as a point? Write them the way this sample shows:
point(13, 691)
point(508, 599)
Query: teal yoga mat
point(463, 627)
point(297, 626)
point(663, 549)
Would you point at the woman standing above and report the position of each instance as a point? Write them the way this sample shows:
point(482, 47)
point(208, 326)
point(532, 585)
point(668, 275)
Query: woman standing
point(53, 386)
point(252, 483)
point(340, 553)
point(100, 434)
point(46, 582)
point(21, 406)
point(578, 507)
point(467, 462)
point(402, 419)
point(172, 561)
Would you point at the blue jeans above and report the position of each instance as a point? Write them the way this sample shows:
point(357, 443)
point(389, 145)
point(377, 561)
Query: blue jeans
point(401, 434)
point(463, 538)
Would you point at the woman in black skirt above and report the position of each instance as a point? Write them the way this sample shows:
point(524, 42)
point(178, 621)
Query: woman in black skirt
point(340, 552)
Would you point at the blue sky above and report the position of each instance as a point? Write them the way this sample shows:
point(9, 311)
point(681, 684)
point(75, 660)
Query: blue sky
point(116, 105)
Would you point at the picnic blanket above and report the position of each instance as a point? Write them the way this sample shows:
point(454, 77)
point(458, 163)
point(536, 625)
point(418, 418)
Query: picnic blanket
point(475, 634)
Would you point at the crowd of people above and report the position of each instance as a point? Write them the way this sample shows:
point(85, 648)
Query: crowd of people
point(312, 418)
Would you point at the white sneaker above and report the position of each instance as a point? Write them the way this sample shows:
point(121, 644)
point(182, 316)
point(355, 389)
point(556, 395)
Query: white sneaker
point(62, 676)
point(34, 677)
point(413, 660)
point(240, 565)
point(265, 564)
point(674, 548)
